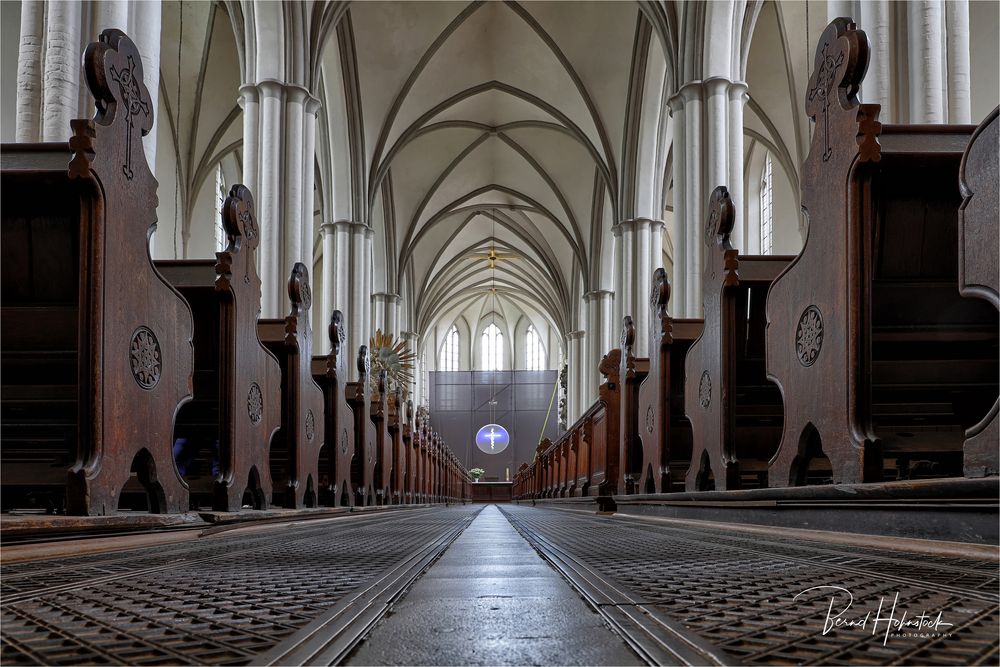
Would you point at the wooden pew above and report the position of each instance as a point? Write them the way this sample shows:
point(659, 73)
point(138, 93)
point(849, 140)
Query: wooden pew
point(409, 461)
point(978, 258)
point(664, 429)
point(416, 470)
point(237, 387)
point(582, 437)
point(398, 424)
point(432, 467)
point(883, 364)
point(438, 465)
point(295, 451)
point(365, 436)
point(538, 469)
point(330, 372)
point(421, 452)
point(633, 371)
point(548, 470)
point(735, 412)
point(383, 441)
point(96, 344)
point(606, 476)
point(522, 481)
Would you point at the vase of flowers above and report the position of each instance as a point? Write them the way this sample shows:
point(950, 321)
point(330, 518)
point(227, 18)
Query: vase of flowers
point(476, 473)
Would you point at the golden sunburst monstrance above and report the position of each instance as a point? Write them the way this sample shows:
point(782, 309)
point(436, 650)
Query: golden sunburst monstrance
point(395, 358)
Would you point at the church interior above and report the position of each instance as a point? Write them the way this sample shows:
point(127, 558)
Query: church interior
point(499, 332)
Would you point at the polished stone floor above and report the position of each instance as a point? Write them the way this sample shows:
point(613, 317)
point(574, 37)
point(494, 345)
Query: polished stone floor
point(491, 600)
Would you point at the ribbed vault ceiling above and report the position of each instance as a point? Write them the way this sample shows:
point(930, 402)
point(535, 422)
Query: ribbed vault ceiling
point(490, 124)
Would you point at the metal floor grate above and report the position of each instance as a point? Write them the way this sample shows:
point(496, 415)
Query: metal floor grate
point(737, 590)
point(220, 600)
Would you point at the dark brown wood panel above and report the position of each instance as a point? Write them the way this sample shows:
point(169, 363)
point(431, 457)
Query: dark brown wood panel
point(295, 451)
point(735, 413)
point(664, 429)
point(237, 407)
point(113, 370)
point(978, 259)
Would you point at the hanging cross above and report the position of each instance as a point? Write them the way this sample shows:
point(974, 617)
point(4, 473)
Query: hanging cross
point(822, 89)
point(493, 438)
point(131, 96)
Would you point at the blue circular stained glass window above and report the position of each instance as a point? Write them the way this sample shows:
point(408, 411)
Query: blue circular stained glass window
point(492, 439)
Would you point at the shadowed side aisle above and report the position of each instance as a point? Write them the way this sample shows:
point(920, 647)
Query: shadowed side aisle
point(491, 600)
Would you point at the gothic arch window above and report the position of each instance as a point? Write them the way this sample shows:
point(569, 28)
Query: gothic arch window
point(766, 207)
point(534, 354)
point(449, 351)
point(491, 352)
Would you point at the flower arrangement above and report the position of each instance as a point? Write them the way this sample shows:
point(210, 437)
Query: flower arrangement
point(476, 473)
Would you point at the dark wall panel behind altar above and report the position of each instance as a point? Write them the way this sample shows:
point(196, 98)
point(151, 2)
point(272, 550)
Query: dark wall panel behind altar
point(460, 406)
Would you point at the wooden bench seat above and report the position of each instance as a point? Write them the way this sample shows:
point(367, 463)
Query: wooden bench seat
point(978, 258)
point(633, 372)
point(237, 406)
point(664, 429)
point(359, 395)
point(84, 310)
point(735, 412)
point(296, 449)
point(870, 315)
point(383, 441)
point(330, 373)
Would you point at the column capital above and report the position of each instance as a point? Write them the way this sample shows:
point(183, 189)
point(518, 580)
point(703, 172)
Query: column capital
point(386, 296)
point(697, 88)
point(313, 105)
point(633, 224)
point(576, 335)
point(289, 92)
point(598, 294)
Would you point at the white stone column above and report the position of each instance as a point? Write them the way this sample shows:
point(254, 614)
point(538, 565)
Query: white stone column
point(838, 8)
point(599, 307)
point(358, 300)
point(690, 217)
point(877, 86)
point(575, 376)
point(111, 14)
point(291, 221)
point(343, 262)
point(641, 244)
point(367, 274)
point(62, 69)
point(622, 275)
point(679, 299)
point(959, 63)
point(717, 106)
point(249, 100)
point(926, 62)
point(380, 313)
point(269, 195)
point(311, 109)
point(327, 280)
point(279, 143)
point(392, 315)
point(717, 135)
point(29, 70)
point(358, 287)
point(737, 92)
point(341, 274)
